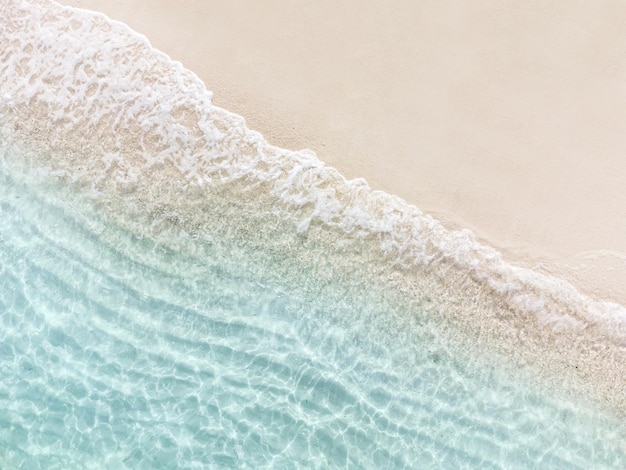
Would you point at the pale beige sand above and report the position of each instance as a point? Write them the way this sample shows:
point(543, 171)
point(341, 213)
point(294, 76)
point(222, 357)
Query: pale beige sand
point(508, 118)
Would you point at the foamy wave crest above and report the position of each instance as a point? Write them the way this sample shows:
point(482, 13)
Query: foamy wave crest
point(120, 119)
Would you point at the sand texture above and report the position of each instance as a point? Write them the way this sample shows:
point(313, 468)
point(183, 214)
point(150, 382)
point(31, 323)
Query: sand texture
point(505, 118)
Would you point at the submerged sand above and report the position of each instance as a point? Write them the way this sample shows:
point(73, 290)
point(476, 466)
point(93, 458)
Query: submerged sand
point(509, 120)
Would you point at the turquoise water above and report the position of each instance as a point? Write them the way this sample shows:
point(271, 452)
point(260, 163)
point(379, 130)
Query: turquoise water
point(119, 353)
point(175, 292)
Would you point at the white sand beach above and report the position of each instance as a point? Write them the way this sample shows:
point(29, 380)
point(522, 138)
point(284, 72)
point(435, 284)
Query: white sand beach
point(505, 118)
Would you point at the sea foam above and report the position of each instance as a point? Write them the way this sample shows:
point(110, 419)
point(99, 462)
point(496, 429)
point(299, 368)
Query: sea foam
point(137, 132)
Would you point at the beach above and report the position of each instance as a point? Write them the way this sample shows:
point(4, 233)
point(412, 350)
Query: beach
point(184, 283)
point(509, 120)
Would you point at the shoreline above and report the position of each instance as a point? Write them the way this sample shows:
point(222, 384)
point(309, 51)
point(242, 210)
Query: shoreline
point(482, 118)
point(190, 248)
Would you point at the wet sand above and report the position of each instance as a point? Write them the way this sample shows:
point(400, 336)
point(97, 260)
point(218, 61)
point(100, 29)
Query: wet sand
point(508, 119)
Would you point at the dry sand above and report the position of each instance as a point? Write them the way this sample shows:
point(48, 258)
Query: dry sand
point(508, 118)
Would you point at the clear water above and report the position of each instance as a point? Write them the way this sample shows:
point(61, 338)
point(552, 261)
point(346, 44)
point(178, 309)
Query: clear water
point(119, 353)
point(176, 293)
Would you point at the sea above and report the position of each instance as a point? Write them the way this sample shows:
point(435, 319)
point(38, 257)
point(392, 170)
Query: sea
point(177, 292)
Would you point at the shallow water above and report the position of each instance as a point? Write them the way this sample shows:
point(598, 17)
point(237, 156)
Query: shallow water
point(119, 353)
point(175, 292)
